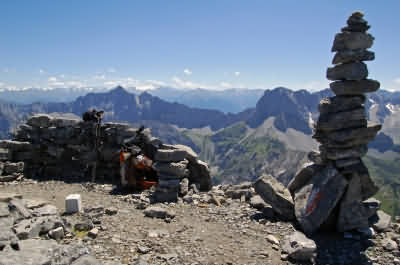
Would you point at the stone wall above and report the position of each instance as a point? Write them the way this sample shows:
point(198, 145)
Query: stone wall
point(66, 148)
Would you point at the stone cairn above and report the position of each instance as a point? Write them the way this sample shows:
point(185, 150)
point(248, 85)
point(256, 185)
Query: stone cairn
point(333, 189)
point(55, 147)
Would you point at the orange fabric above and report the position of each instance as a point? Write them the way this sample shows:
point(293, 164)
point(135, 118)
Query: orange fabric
point(121, 157)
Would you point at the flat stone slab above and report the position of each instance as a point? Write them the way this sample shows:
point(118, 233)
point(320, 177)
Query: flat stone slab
point(354, 88)
point(303, 176)
point(45, 210)
point(40, 120)
point(347, 56)
point(158, 212)
point(381, 221)
point(275, 194)
point(352, 41)
point(170, 155)
point(349, 71)
point(342, 120)
point(6, 197)
point(32, 204)
point(4, 211)
point(316, 200)
point(299, 247)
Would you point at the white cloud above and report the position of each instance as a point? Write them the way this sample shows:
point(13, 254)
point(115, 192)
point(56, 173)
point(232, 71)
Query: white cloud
point(99, 77)
point(187, 71)
point(180, 83)
point(111, 70)
point(52, 79)
point(236, 73)
point(225, 85)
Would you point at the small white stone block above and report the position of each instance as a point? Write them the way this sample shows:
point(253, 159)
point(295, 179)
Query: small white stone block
point(73, 203)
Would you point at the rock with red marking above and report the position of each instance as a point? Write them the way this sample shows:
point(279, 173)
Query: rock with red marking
point(315, 201)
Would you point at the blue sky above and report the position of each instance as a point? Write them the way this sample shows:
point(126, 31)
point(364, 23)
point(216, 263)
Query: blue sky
point(186, 44)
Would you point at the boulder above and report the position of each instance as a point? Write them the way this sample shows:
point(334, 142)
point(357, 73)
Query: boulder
point(315, 201)
point(354, 88)
point(347, 56)
point(352, 213)
point(257, 202)
point(316, 157)
point(40, 120)
point(158, 212)
point(299, 247)
point(349, 71)
point(303, 176)
point(275, 194)
point(340, 103)
point(368, 187)
point(381, 221)
point(57, 233)
point(199, 173)
point(352, 41)
point(184, 187)
point(64, 122)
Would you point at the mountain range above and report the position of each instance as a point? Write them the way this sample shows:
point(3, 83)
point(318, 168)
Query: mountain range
point(273, 136)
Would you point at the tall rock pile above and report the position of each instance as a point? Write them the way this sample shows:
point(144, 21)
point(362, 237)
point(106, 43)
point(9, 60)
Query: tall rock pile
point(332, 189)
point(11, 155)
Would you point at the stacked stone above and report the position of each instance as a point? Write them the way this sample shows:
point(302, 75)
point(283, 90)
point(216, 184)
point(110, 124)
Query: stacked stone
point(11, 168)
point(67, 148)
point(331, 189)
point(176, 167)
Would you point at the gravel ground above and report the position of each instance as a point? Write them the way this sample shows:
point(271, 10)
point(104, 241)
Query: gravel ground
point(200, 233)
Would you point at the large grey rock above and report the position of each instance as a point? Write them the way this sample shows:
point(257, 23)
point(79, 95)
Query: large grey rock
point(199, 173)
point(368, 187)
point(32, 204)
point(275, 194)
point(303, 176)
point(177, 169)
point(87, 260)
point(354, 88)
point(352, 41)
point(340, 103)
point(170, 155)
point(346, 162)
point(316, 157)
point(352, 213)
point(7, 237)
point(184, 187)
point(29, 228)
point(257, 202)
point(57, 233)
point(316, 200)
point(159, 212)
point(40, 120)
point(190, 154)
point(381, 221)
point(345, 119)
point(299, 247)
point(347, 56)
